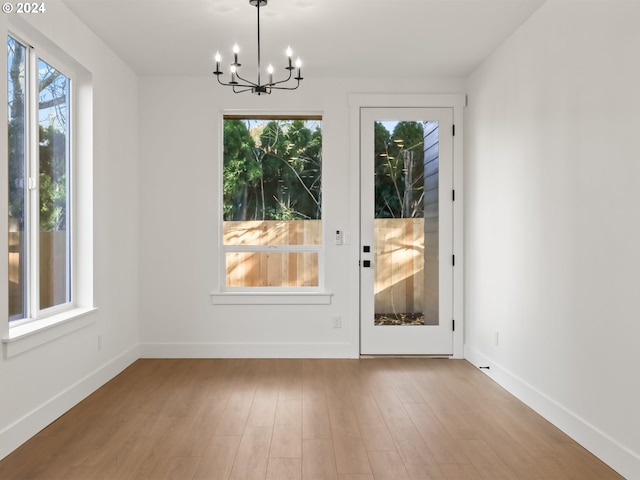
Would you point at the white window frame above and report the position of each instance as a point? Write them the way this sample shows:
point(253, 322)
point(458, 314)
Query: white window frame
point(34, 312)
point(266, 294)
point(44, 325)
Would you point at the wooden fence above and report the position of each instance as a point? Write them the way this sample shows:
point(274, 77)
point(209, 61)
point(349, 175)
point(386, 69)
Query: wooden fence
point(399, 274)
point(53, 272)
point(401, 282)
point(272, 269)
point(399, 265)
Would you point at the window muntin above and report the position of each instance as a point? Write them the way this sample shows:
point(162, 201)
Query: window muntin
point(39, 185)
point(272, 203)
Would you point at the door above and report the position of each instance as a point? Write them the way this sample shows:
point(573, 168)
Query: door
point(406, 221)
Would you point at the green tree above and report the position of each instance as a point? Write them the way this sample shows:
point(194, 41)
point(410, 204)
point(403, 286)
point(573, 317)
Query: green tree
point(241, 169)
point(281, 176)
point(16, 60)
point(399, 170)
point(53, 179)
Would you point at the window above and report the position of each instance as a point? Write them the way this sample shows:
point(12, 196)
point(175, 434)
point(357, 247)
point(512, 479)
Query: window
point(272, 203)
point(39, 164)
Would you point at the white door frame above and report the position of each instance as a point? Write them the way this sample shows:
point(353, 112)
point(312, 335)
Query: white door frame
point(457, 102)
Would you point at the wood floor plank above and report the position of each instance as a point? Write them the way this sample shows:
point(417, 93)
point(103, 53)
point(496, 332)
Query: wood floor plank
point(236, 413)
point(374, 431)
point(252, 458)
point(217, 462)
point(315, 415)
point(180, 468)
point(507, 447)
point(434, 435)
point(286, 442)
point(460, 471)
point(350, 453)
point(291, 374)
point(284, 469)
point(415, 454)
point(318, 459)
point(388, 465)
point(389, 403)
point(263, 408)
point(287, 430)
point(486, 462)
point(301, 419)
point(355, 476)
point(573, 462)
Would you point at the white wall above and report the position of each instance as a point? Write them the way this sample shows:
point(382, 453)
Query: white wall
point(42, 383)
point(179, 197)
point(552, 175)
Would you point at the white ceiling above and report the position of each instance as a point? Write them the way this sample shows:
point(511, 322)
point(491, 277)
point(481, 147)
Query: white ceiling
point(334, 38)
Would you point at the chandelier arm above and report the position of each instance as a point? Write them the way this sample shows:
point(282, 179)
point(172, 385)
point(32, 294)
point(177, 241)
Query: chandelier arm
point(248, 82)
point(221, 82)
point(228, 84)
point(282, 81)
point(287, 88)
point(245, 88)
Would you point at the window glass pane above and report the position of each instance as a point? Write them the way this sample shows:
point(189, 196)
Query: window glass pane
point(53, 119)
point(272, 198)
point(406, 223)
point(272, 171)
point(272, 269)
point(16, 68)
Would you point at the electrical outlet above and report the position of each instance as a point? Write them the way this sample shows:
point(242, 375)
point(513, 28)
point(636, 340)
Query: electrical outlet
point(337, 321)
point(497, 339)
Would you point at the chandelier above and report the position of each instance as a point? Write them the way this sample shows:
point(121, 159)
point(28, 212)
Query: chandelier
point(240, 84)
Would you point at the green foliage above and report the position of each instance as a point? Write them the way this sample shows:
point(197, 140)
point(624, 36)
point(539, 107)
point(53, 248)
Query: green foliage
point(52, 137)
point(16, 128)
point(272, 170)
point(53, 179)
point(241, 169)
point(399, 170)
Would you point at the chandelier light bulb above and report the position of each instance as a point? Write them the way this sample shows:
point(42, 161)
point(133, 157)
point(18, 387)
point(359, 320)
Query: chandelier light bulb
point(298, 63)
point(289, 51)
point(236, 48)
point(217, 59)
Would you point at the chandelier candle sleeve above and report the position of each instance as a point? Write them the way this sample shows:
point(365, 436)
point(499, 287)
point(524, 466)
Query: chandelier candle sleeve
point(240, 84)
point(236, 50)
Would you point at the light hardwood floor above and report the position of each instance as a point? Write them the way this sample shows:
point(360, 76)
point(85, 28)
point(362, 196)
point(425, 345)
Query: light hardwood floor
point(377, 418)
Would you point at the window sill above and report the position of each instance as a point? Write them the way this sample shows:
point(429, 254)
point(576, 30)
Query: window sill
point(28, 336)
point(271, 298)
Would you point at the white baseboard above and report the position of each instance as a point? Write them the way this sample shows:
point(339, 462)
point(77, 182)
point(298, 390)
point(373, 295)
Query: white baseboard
point(26, 427)
point(617, 456)
point(248, 350)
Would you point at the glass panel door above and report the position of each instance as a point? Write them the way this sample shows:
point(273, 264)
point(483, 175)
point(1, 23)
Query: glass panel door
point(406, 276)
